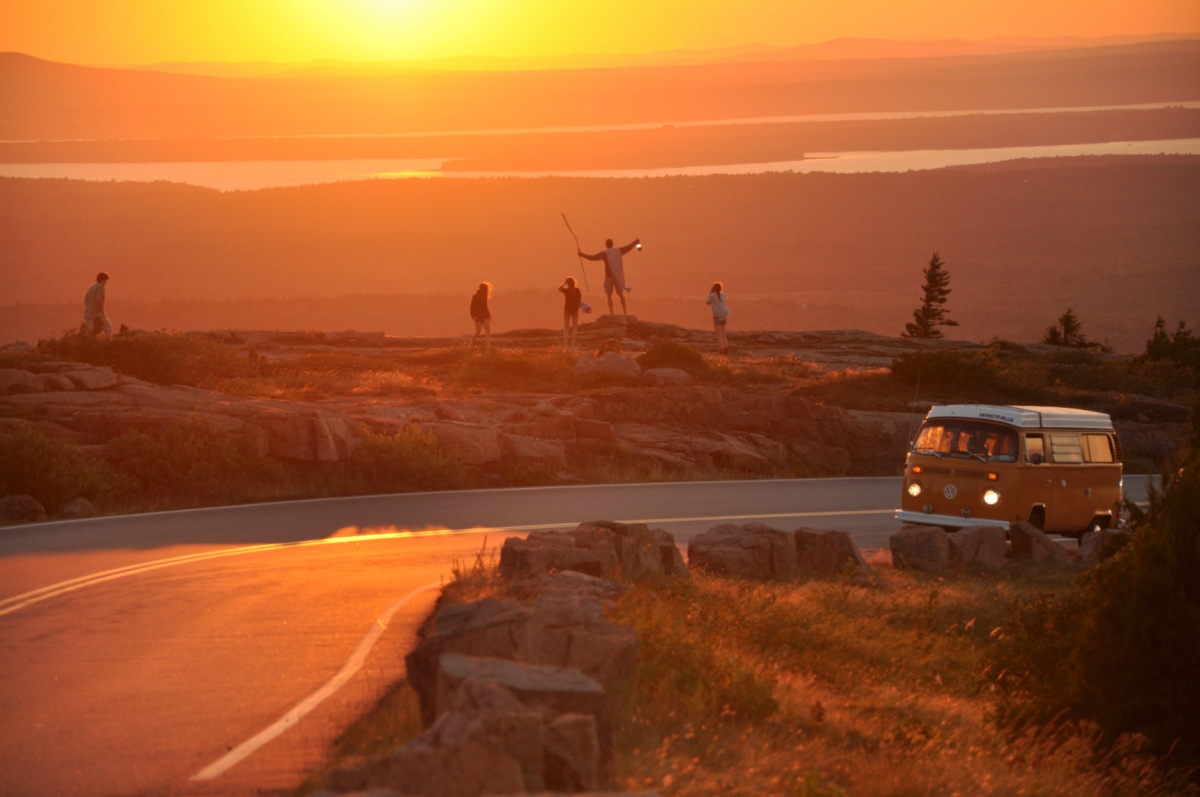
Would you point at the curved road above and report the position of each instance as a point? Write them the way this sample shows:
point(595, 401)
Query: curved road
point(220, 651)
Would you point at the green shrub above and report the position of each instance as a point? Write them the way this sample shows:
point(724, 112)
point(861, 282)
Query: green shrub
point(164, 358)
point(54, 471)
point(551, 371)
point(190, 463)
point(669, 353)
point(996, 375)
point(406, 461)
point(1121, 648)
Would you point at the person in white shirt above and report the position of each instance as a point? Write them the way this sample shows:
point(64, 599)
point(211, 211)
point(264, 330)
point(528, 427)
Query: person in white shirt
point(614, 270)
point(720, 310)
point(94, 317)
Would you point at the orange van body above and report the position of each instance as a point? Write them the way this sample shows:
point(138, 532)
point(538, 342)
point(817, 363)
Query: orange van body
point(979, 464)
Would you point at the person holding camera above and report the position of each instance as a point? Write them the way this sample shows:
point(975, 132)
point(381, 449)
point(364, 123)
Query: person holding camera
point(720, 312)
point(574, 301)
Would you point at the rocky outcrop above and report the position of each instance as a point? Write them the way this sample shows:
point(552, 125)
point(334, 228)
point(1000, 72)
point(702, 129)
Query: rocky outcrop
point(21, 509)
point(565, 626)
point(78, 508)
point(91, 403)
point(1028, 543)
point(516, 694)
point(602, 549)
point(752, 551)
point(920, 548)
point(610, 364)
point(979, 547)
point(660, 418)
point(1096, 546)
point(830, 554)
point(932, 549)
point(504, 731)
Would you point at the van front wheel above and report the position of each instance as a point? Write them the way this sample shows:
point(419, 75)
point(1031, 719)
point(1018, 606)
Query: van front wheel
point(1037, 517)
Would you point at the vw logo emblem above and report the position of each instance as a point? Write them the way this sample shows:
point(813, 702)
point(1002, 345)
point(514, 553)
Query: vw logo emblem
point(951, 492)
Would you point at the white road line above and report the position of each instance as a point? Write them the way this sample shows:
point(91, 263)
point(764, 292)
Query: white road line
point(18, 602)
point(353, 665)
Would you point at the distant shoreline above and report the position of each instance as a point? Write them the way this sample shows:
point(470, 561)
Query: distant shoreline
point(258, 175)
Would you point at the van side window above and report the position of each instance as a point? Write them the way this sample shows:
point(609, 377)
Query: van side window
point(1065, 448)
point(1035, 449)
point(1098, 447)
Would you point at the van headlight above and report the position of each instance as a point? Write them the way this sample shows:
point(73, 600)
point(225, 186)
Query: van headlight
point(914, 489)
point(991, 497)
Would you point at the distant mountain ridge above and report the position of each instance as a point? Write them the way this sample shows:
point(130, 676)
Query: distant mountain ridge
point(41, 100)
point(836, 49)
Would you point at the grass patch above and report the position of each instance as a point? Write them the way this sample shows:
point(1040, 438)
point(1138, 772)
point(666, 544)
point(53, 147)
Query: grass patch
point(1006, 373)
point(822, 689)
point(827, 689)
point(164, 358)
point(319, 376)
point(55, 471)
point(537, 371)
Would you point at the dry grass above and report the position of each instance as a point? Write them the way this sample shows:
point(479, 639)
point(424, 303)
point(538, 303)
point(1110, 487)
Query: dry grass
point(821, 689)
point(827, 689)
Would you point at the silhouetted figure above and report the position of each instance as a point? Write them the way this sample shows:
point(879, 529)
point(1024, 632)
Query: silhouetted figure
point(481, 314)
point(614, 270)
point(574, 300)
point(720, 310)
point(94, 317)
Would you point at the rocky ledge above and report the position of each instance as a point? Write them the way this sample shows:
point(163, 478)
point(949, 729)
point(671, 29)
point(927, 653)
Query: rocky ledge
point(657, 417)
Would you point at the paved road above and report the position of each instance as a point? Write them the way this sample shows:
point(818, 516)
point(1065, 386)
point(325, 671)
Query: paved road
point(141, 653)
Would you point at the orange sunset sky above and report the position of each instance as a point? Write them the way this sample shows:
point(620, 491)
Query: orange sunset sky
point(131, 32)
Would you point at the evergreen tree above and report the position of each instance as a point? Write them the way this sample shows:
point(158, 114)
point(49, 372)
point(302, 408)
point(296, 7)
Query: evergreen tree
point(1069, 332)
point(932, 313)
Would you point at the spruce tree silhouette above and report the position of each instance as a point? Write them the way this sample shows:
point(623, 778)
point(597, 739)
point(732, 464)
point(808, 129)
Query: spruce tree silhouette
point(932, 313)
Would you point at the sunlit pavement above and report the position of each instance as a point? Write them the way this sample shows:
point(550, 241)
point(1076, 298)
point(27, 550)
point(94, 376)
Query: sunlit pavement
point(143, 652)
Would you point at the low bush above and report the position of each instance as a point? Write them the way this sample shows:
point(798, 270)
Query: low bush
point(669, 353)
point(54, 471)
point(1119, 650)
point(192, 463)
point(317, 376)
point(531, 371)
point(825, 688)
point(164, 358)
point(404, 462)
point(996, 375)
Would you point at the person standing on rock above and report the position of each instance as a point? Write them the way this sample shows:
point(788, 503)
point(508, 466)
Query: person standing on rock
point(481, 315)
point(614, 270)
point(94, 317)
point(720, 311)
point(574, 300)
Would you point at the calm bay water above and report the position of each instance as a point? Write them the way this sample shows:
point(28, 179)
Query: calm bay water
point(254, 175)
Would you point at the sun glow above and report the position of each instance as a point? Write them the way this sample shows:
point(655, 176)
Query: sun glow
point(300, 31)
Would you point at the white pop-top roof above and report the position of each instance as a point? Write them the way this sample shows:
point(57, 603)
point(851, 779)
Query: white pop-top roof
point(1026, 417)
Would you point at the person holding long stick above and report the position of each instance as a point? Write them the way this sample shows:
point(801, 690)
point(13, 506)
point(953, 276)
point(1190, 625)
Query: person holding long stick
point(614, 270)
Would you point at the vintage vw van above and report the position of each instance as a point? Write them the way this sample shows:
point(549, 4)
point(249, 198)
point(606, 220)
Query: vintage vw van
point(977, 464)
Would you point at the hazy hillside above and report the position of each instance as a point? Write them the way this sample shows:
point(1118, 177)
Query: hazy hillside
point(41, 100)
point(1117, 239)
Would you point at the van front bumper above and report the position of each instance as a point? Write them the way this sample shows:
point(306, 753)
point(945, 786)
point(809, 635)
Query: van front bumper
point(957, 521)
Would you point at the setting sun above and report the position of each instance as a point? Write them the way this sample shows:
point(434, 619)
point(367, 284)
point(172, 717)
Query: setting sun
point(298, 31)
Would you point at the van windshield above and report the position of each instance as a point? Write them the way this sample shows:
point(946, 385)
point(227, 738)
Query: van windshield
point(954, 437)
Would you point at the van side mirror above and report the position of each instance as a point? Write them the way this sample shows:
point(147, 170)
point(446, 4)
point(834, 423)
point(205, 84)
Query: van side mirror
point(1036, 459)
